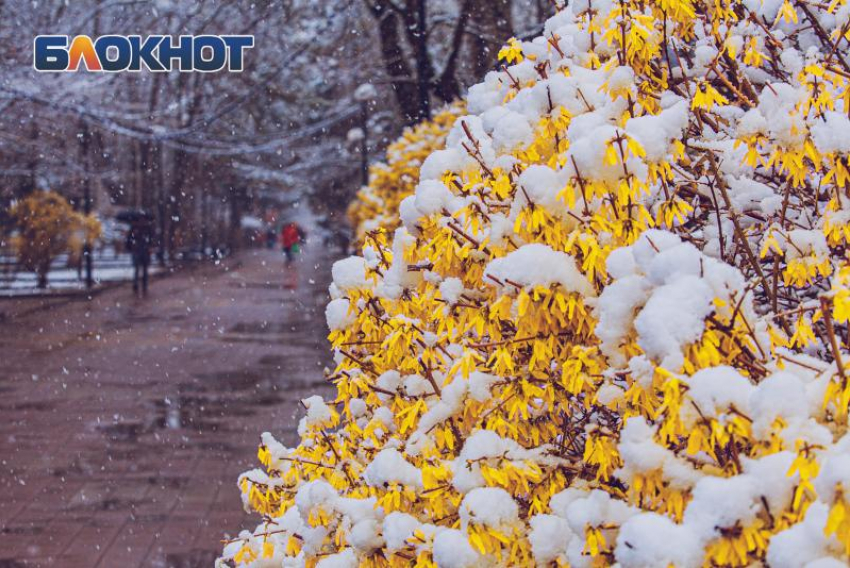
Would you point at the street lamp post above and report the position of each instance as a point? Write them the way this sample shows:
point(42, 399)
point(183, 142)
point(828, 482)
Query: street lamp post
point(87, 250)
point(364, 94)
point(364, 142)
point(205, 223)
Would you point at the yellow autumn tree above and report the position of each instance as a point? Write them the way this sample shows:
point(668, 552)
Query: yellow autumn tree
point(46, 225)
point(611, 327)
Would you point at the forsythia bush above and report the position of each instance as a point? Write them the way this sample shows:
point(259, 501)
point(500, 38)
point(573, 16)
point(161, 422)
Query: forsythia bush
point(376, 206)
point(613, 325)
point(48, 226)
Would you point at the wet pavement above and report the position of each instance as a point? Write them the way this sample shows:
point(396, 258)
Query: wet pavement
point(126, 422)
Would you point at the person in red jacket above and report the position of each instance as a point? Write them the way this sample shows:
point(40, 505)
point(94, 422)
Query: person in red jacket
point(291, 237)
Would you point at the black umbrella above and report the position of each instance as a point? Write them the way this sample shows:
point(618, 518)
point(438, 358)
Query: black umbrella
point(133, 216)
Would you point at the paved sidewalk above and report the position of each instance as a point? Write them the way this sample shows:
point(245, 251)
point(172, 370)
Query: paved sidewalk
point(126, 422)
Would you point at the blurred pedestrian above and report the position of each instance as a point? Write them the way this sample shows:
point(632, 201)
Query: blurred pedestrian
point(271, 235)
point(139, 242)
point(291, 238)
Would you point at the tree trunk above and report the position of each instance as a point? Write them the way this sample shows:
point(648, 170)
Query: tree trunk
point(395, 63)
point(237, 197)
point(448, 86)
point(43, 270)
point(179, 165)
point(494, 28)
point(161, 205)
point(424, 68)
point(85, 145)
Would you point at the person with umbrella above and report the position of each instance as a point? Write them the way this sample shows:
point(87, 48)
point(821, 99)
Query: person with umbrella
point(138, 244)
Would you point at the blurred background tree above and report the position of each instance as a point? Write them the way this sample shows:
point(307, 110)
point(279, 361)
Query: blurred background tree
point(46, 226)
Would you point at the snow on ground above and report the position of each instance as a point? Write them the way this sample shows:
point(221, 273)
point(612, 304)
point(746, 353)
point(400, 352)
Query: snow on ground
point(106, 268)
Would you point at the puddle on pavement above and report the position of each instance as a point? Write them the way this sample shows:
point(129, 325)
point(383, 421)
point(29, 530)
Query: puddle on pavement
point(80, 466)
point(228, 381)
point(22, 530)
point(191, 559)
point(207, 404)
point(222, 448)
point(261, 328)
point(199, 413)
point(256, 285)
point(123, 431)
point(114, 504)
point(191, 413)
point(298, 336)
point(276, 361)
point(29, 406)
point(125, 321)
point(287, 334)
point(169, 482)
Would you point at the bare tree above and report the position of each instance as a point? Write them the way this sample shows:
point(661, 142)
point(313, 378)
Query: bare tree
point(424, 42)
